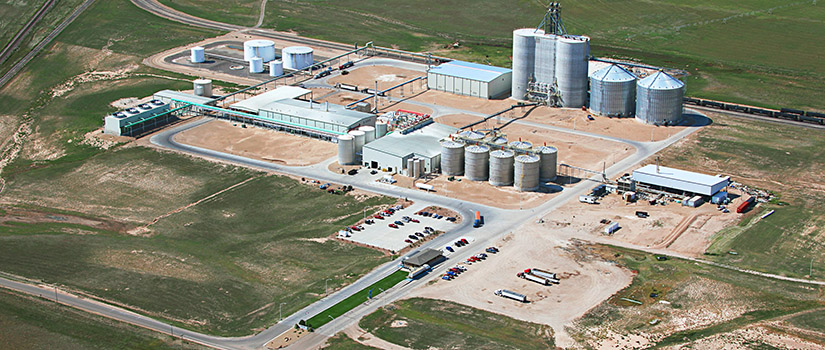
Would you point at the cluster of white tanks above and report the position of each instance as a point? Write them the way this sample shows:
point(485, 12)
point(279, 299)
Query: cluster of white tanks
point(553, 60)
point(351, 145)
point(656, 99)
point(518, 165)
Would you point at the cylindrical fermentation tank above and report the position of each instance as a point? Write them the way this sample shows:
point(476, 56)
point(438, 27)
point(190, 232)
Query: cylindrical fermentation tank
point(501, 168)
point(548, 156)
point(476, 162)
point(452, 157)
point(369, 133)
point(346, 150)
point(526, 172)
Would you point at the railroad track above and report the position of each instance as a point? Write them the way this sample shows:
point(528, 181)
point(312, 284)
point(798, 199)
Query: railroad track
point(18, 38)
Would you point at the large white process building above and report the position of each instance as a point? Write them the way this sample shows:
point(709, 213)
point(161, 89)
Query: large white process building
point(550, 62)
point(470, 79)
point(679, 181)
point(393, 151)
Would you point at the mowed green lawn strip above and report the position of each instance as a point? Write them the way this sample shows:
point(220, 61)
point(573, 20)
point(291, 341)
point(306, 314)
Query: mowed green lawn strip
point(356, 299)
point(448, 325)
point(32, 323)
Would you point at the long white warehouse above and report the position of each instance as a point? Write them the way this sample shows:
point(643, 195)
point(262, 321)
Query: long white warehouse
point(470, 79)
point(679, 181)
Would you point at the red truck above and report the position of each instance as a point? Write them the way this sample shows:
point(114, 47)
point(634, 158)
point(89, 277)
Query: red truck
point(745, 205)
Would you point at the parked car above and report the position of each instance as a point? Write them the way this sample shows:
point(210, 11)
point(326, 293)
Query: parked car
point(450, 249)
point(415, 220)
point(464, 240)
point(393, 225)
point(355, 228)
point(413, 237)
point(408, 241)
point(419, 234)
point(377, 216)
point(399, 223)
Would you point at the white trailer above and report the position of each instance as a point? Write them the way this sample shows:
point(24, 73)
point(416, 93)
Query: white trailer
point(587, 199)
point(542, 273)
point(512, 295)
point(531, 277)
point(425, 187)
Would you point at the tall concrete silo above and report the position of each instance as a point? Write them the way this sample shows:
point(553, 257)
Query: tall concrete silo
point(572, 54)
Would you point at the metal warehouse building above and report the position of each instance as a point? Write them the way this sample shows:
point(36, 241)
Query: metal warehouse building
point(281, 105)
point(392, 151)
point(679, 181)
point(470, 79)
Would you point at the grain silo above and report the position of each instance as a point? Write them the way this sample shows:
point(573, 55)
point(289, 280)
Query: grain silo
point(524, 50)
point(297, 57)
point(476, 162)
point(197, 54)
point(613, 92)
point(526, 172)
point(471, 135)
point(498, 140)
point(346, 150)
point(202, 87)
point(360, 139)
point(572, 54)
point(263, 49)
point(501, 168)
point(452, 157)
point(549, 157)
point(256, 65)
point(276, 68)
point(521, 145)
point(659, 99)
point(369, 133)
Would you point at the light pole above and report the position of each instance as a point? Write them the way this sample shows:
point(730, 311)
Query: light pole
point(280, 316)
point(326, 291)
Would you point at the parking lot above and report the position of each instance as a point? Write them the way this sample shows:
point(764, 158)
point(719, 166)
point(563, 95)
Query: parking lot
point(380, 235)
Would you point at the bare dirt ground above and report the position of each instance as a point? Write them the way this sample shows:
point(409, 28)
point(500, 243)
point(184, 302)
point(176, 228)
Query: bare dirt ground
point(386, 76)
point(258, 143)
point(360, 335)
point(581, 151)
point(505, 197)
point(586, 281)
point(626, 128)
point(745, 338)
point(286, 338)
point(31, 216)
point(675, 227)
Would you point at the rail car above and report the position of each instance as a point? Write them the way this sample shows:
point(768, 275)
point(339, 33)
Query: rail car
point(783, 113)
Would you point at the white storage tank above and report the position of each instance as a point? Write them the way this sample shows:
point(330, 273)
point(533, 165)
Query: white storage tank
point(476, 162)
point(572, 53)
point(418, 168)
point(410, 163)
point(197, 54)
point(346, 150)
point(659, 99)
point(369, 133)
point(548, 156)
point(501, 168)
point(360, 139)
point(263, 49)
point(276, 68)
point(521, 145)
point(297, 57)
point(613, 92)
point(202, 87)
point(452, 157)
point(472, 135)
point(526, 172)
point(256, 65)
point(381, 129)
point(524, 43)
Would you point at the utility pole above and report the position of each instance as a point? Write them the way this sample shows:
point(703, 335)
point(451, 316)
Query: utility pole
point(280, 315)
point(326, 291)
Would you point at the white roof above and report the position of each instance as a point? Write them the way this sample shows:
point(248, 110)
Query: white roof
point(680, 179)
point(182, 96)
point(255, 103)
point(469, 70)
point(329, 113)
point(661, 81)
point(424, 142)
point(613, 73)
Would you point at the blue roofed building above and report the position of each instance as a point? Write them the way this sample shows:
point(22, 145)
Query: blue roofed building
point(470, 79)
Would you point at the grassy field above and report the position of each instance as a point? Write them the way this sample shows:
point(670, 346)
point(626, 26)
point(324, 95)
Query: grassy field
point(31, 323)
point(813, 320)
point(786, 241)
point(446, 325)
point(762, 52)
point(342, 342)
point(14, 15)
point(356, 299)
point(700, 300)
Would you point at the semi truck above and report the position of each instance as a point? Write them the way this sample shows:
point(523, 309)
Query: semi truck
point(512, 295)
point(531, 277)
point(418, 272)
point(745, 205)
point(479, 220)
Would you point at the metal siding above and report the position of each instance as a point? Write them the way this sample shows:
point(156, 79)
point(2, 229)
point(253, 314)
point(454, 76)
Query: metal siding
point(449, 85)
point(524, 43)
point(431, 81)
point(467, 87)
point(475, 88)
point(672, 183)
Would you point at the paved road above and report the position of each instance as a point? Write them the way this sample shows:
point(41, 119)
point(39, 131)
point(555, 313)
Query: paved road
point(43, 43)
point(18, 38)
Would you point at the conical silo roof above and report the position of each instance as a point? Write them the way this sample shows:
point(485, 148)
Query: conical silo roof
point(661, 81)
point(613, 73)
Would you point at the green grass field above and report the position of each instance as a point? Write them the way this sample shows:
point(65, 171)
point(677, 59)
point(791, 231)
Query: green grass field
point(14, 15)
point(342, 342)
point(447, 325)
point(691, 289)
point(752, 154)
point(32, 323)
point(762, 52)
point(813, 320)
point(356, 299)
